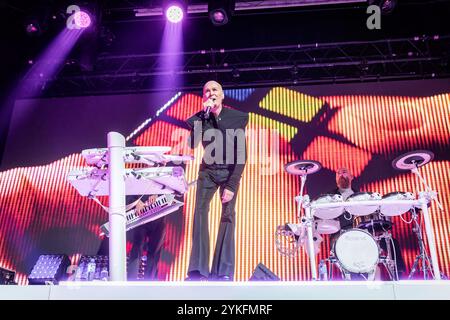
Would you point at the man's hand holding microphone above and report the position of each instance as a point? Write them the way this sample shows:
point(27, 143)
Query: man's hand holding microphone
point(209, 104)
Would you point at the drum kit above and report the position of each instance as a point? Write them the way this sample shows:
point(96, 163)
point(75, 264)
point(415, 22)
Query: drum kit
point(360, 250)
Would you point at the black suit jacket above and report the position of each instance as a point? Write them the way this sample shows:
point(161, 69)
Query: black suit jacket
point(345, 224)
point(227, 119)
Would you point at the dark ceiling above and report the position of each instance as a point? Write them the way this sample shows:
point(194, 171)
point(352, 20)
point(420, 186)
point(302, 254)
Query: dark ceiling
point(121, 33)
point(276, 46)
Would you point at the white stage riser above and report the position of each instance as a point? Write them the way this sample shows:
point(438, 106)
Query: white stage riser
point(355, 290)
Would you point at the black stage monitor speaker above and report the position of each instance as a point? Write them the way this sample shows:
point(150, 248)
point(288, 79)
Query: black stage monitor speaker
point(7, 276)
point(262, 273)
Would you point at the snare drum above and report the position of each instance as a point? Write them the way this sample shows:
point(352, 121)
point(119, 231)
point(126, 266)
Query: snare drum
point(375, 222)
point(356, 251)
point(362, 210)
point(328, 213)
point(392, 210)
point(326, 226)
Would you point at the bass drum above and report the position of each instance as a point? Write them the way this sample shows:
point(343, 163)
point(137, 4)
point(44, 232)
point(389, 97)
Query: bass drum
point(356, 251)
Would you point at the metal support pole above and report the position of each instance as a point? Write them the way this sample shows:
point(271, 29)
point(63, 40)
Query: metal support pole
point(312, 255)
point(300, 198)
point(117, 220)
point(431, 240)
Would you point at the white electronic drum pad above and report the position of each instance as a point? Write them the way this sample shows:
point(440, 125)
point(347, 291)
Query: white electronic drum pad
point(363, 210)
point(302, 167)
point(327, 226)
point(329, 212)
point(413, 159)
point(392, 210)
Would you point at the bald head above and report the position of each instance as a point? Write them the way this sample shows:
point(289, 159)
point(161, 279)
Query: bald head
point(213, 90)
point(211, 83)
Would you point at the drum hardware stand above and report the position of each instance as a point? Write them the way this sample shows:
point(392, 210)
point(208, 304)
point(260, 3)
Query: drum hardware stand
point(303, 202)
point(428, 191)
point(422, 256)
point(388, 262)
point(412, 161)
point(390, 267)
point(371, 275)
point(303, 168)
point(332, 261)
point(307, 220)
point(345, 275)
point(300, 198)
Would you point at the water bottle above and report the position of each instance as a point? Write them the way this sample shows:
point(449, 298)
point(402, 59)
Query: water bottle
point(104, 274)
point(77, 276)
point(142, 267)
point(91, 270)
point(323, 272)
point(79, 272)
point(97, 272)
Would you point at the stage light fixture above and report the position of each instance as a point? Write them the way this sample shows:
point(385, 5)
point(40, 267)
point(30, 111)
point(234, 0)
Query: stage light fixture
point(88, 20)
point(7, 277)
point(35, 26)
point(50, 268)
point(174, 10)
point(37, 21)
point(82, 19)
point(83, 16)
point(32, 28)
point(220, 11)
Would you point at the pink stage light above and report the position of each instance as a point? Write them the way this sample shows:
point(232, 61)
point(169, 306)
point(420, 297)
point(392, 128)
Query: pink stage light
point(219, 17)
point(174, 14)
point(31, 28)
point(82, 19)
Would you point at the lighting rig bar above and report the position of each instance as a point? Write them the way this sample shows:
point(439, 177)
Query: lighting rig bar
point(248, 5)
point(333, 62)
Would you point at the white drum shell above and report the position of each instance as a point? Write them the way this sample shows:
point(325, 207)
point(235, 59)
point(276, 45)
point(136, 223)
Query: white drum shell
point(327, 226)
point(363, 210)
point(357, 251)
point(397, 209)
point(328, 213)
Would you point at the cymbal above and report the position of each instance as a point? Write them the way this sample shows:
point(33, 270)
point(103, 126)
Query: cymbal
point(302, 167)
point(412, 160)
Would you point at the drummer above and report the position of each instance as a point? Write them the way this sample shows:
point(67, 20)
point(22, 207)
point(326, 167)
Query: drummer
point(344, 180)
point(345, 188)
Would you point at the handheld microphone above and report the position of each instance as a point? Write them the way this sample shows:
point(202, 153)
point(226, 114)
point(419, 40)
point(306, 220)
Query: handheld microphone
point(208, 109)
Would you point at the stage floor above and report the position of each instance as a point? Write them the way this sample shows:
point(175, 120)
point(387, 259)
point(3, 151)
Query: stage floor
point(342, 290)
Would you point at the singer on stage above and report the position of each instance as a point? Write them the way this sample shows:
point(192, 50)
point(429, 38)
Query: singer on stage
point(222, 132)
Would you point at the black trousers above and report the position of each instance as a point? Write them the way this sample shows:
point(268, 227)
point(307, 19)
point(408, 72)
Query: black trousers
point(209, 180)
point(147, 240)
